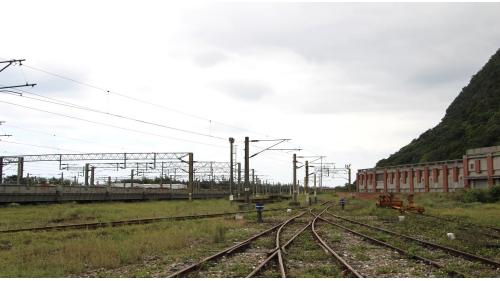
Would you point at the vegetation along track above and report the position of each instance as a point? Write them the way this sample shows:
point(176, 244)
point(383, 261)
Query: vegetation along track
point(485, 230)
point(452, 260)
point(126, 222)
point(241, 260)
point(253, 256)
point(383, 259)
point(348, 270)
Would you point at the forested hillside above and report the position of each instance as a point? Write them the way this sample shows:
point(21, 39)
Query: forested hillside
point(472, 120)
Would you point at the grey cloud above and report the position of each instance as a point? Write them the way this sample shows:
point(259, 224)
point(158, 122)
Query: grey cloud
point(244, 90)
point(209, 59)
point(405, 47)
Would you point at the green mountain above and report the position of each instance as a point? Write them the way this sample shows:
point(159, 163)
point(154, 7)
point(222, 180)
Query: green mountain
point(472, 120)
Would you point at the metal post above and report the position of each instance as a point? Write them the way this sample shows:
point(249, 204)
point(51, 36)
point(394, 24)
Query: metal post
point(191, 176)
point(294, 187)
point(231, 142)
point(239, 179)
point(109, 181)
point(62, 178)
point(211, 176)
point(92, 170)
point(315, 189)
point(131, 178)
point(161, 176)
point(1, 170)
point(349, 175)
point(86, 174)
point(321, 173)
point(306, 182)
point(247, 170)
point(20, 169)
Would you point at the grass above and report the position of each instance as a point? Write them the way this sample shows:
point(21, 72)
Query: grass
point(469, 238)
point(101, 252)
point(67, 253)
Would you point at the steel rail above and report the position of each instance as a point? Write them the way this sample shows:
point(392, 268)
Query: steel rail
point(223, 252)
point(276, 252)
point(427, 243)
point(344, 264)
point(451, 273)
point(126, 222)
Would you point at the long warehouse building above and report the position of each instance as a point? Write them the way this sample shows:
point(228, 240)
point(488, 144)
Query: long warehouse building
point(478, 168)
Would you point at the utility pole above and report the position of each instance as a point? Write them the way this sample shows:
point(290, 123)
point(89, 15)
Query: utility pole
point(294, 187)
point(161, 176)
point(191, 176)
point(131, 178)
point(306, 180)
point(348, 167)
point(1, 170)
point(92, 171)
point(247, 169)
point(239, 179)
point(86, 174)
point(231, 142)
point(20, 169)
point(321, 174)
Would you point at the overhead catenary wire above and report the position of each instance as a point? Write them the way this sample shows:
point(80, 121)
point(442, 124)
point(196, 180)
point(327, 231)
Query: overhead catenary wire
point(72, 105)
point(67, 104)
point(108, 92)
point(109, 125)
point(138, 100)
point(135, 99)
point(144, 101)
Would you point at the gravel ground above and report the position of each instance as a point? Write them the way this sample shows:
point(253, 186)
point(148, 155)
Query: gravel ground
point(453, 262)
point(372, 260)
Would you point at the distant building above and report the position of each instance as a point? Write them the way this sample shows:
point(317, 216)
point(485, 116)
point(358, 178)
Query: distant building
point(478, 168)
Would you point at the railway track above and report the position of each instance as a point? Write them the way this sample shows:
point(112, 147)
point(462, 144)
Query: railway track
point(126, 222)
point(272, 260)
point(348, 270)
point(458, 259)
point(236, 248)
point(394, 260)
point(297, 260)
point(277, 252)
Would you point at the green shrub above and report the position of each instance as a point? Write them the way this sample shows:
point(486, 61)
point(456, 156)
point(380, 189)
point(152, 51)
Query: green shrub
point(482, 195)
point(495, 193)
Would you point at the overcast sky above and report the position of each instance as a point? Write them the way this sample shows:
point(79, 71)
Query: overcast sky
point(354, 82)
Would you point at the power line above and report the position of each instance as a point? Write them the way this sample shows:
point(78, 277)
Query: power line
point(138, 100)
point(142, 101)
point(109, 125)
point(63, 103)
point(72, 105)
